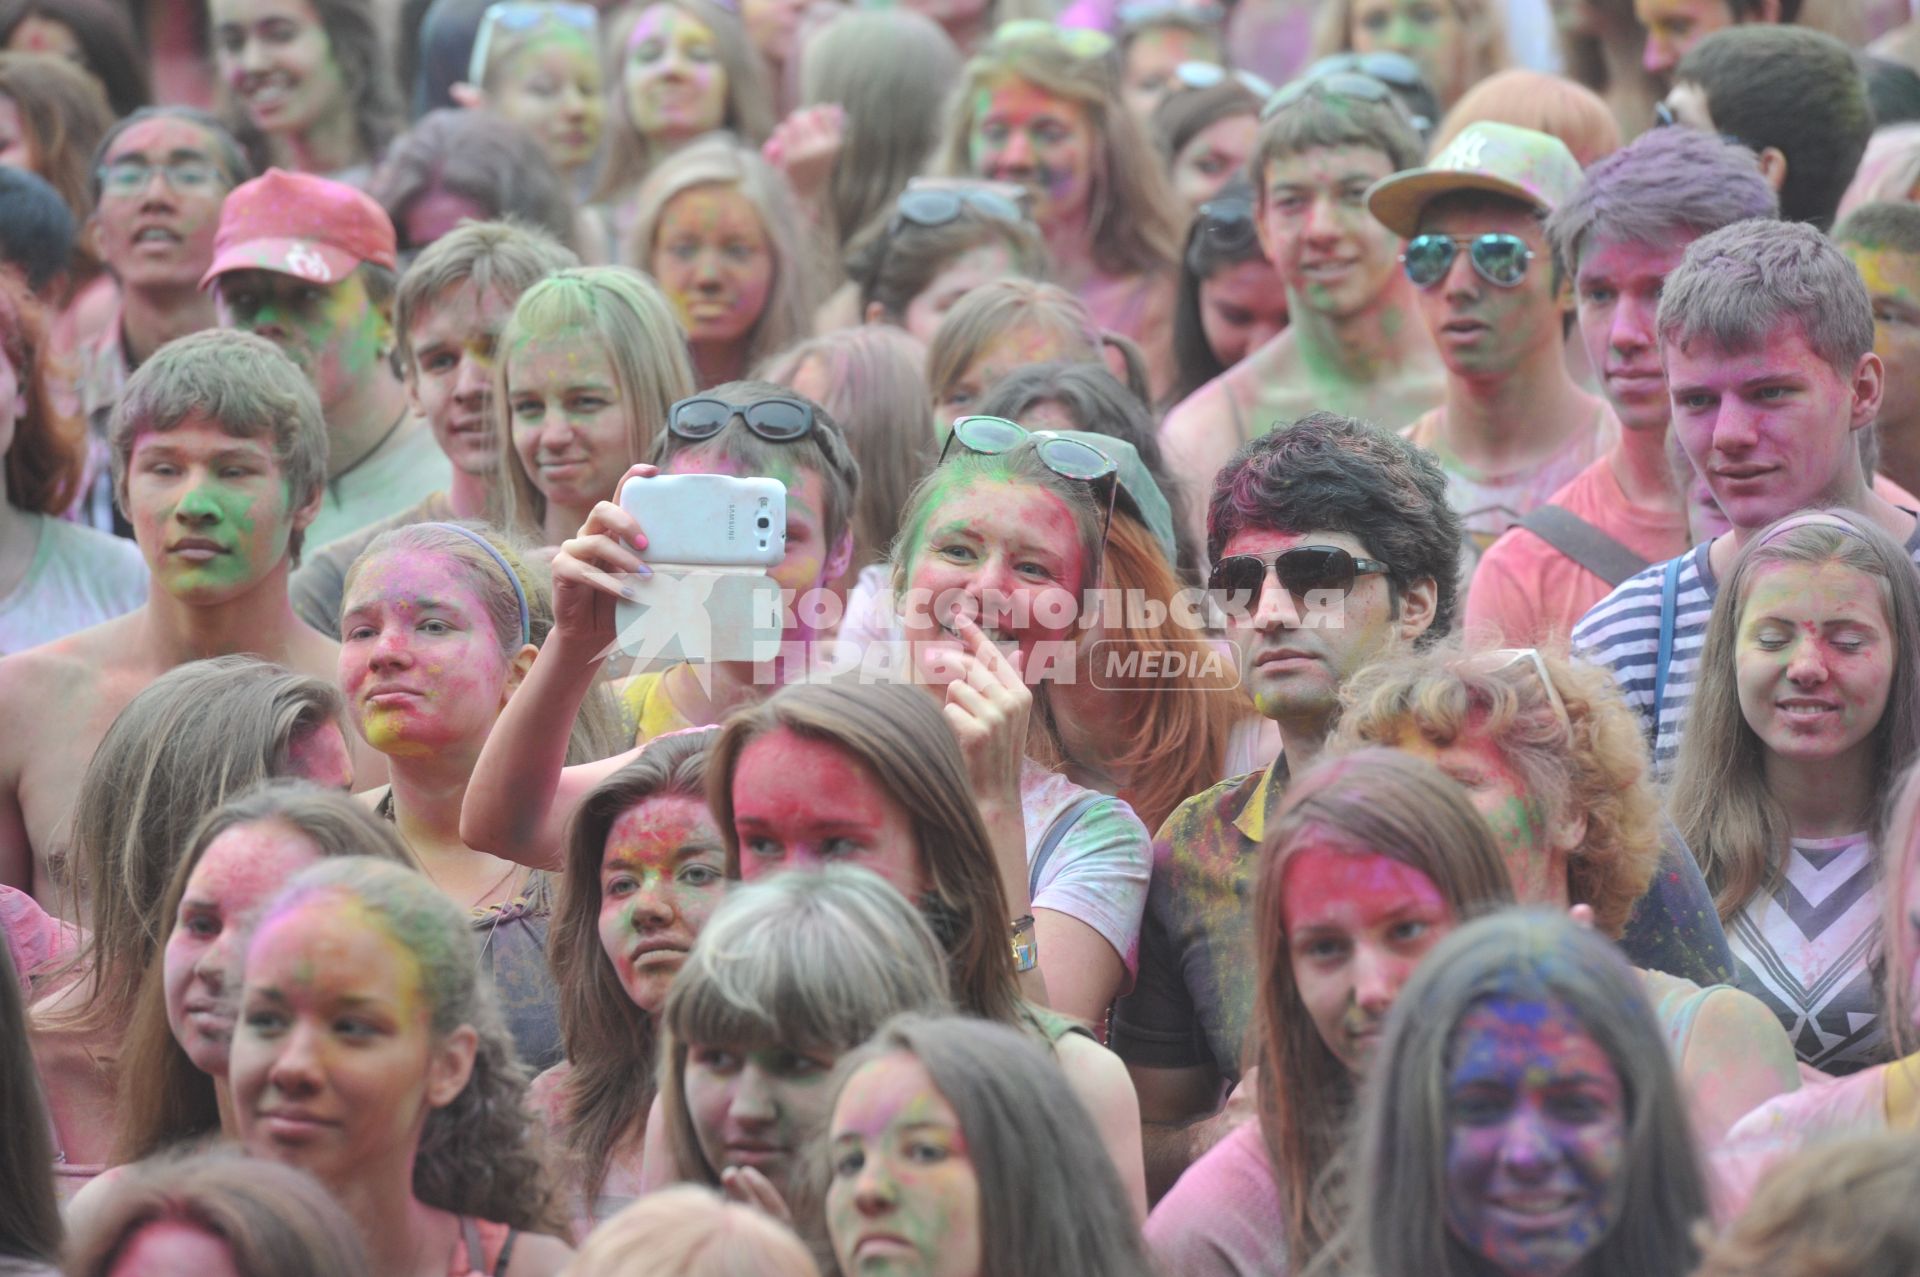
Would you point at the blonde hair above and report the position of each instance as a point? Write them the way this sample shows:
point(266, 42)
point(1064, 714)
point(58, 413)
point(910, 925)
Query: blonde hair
point(687, 1231)
point(644, 343)
point(1527, 99)
point(1839, 1209)
point(1720, 798)
point(1135, 224)
point(1592, 765)
point(720, 161)
point(877, 392)
point(749, 113)
point(1486, 53)
point(990, 312)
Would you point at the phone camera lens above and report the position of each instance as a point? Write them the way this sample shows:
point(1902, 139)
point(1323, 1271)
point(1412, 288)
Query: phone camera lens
point(765, 522)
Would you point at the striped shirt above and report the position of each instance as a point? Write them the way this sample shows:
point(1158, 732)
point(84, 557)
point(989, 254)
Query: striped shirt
point(1622, 632)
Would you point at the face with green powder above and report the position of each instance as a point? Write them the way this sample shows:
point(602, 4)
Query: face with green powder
point(210, 510)
point(1534, 847)
point(1430, 32)
point(905, 1197)
point(334, 332)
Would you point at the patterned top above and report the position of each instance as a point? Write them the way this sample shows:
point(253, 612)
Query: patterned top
point(1806, 950)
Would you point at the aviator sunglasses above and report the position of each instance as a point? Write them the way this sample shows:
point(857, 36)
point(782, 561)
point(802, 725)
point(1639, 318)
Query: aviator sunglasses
point(1238, 580)
point(777, 420)
point(1499, 258)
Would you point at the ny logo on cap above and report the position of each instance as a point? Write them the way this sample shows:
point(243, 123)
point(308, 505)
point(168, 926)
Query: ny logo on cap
point(306, 263)
point(1466, 153)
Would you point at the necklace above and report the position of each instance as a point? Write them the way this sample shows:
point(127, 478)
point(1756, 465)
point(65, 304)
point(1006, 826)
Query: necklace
point(385, 811)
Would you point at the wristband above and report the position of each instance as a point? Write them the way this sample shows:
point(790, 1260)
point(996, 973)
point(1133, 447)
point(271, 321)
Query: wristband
point(1026, 950)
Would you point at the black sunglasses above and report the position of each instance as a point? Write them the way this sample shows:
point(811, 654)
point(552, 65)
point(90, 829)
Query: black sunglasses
point(1226, 224)
point(1068, 458)
point(1237, 581)
point(1499, 258)
point(777, 420)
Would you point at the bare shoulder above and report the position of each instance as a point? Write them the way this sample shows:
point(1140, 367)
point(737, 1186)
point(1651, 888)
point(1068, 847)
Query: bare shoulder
point(1092, 1068)
point(538, 1255)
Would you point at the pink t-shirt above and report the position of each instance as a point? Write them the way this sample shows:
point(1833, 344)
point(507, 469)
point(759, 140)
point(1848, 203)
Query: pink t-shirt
point(1852, 1105)
point(1527, 592)
point(1223, 1217)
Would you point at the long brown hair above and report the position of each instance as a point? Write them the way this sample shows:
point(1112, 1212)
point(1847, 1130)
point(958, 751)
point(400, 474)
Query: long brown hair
point(1374, 800)
point(195, 736)
point(30, 1225)
point(163, 1097)
point(898, 733)
point(611, 1043)
point(48, 455)
point(1134, 224)
point(1720, 797)
point(749, 111)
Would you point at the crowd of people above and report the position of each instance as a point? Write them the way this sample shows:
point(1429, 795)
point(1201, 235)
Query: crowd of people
point(1326, 682)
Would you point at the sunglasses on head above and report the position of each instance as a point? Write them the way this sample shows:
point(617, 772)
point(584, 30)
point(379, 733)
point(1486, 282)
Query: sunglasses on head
point(1238, 580)
point(516, 16)
point(1664, 118)
point(1498, 258)
point(777, 420)
point(1204, 75)
point(1068, 458)
point(1145, 12)
point(937, 207)
point(1081, 42)
point(1336, 84)
point(1500, 659)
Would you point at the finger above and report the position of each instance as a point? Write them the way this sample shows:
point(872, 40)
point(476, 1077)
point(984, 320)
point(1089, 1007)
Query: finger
point(601, 551)
point(970, 700)
point(1582, 916)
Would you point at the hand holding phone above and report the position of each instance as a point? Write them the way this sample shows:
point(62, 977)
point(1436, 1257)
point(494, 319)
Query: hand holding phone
point(709, 520)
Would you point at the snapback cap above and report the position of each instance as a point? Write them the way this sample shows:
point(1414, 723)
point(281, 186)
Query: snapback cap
point(1499, 159)
point(302, 225)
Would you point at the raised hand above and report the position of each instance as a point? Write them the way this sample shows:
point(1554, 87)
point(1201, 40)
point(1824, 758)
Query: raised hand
point(589, 571)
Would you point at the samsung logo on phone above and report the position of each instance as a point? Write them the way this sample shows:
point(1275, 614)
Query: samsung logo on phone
point(732, 513)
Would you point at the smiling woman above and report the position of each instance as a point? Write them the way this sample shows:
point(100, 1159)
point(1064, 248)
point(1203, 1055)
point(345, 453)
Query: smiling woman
point(1808, 705)
point(306, 83)
point(590, 363)
point(1523, 1117)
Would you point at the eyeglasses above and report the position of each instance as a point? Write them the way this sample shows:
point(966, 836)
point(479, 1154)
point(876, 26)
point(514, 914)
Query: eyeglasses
point(777, 420)
point(1238, 580)
point(934, 207)
point(1507, 657)
point(516, 16)
point(1499, 258)
point(1081, 42)
point(130, 176)
point(1340, 84)
point(1068, 458)
point(1204, 75)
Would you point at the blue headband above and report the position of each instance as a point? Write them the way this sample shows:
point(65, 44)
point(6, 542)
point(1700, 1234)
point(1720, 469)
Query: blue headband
point(519, 591)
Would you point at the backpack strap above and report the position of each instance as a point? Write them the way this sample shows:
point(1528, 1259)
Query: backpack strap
point(506, 1252)
point(1062, 826)
point(1669, 605)
point(1594, 549)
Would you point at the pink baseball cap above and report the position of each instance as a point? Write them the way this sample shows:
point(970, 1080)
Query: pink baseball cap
point(301, 225)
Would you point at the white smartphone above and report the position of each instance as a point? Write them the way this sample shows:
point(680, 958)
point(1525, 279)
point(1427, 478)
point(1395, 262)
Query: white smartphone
point(709, 520)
